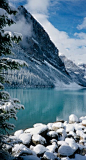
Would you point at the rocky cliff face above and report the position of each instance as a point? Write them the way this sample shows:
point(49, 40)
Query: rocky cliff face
point(39, 44)
point(76, 72)
point(46, 69)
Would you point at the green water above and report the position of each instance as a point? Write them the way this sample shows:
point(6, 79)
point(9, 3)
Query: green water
point(47, 105)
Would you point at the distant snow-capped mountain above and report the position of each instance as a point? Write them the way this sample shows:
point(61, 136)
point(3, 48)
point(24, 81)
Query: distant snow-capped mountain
point(76, 72)
point(45, 67)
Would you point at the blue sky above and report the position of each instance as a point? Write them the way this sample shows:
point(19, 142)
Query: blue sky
point(65, 22)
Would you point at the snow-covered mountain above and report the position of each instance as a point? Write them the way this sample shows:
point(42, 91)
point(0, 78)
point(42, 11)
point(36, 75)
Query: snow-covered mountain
point(76, 72)
point(45, 67)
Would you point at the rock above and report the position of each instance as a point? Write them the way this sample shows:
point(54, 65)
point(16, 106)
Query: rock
point(83, 152)
point(72, 133)
point(52, 134)
point(17, 133)
point(40, 129)
point(66, 158)
point(57, 125)
point(69, 127)
point(38, 139)
point(31, 157)
point(73, 118)
point(52, 148)
point(49, 156)
point(14, 140)
point(79, 157)
point(81, 134)
point(39, 149)
point(53, 141)
point(49, 125)
point(60, 143)
point(65, 150)
point(78, 126)
point(25, 138)
point(38, 124)
point(69, 140)
point(82, 118)
point(84, 123)
point(61, 132)
point(85, 130)
point(20, 149)
point(74, 146)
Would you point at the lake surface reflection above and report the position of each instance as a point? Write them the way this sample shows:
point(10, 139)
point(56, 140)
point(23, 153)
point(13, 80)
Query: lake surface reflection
point(45, 105)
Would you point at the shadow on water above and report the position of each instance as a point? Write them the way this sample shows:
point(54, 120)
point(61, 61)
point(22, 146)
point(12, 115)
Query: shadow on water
point(47, 105)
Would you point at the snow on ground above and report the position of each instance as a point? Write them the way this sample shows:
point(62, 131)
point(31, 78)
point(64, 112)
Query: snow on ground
point(54, 141)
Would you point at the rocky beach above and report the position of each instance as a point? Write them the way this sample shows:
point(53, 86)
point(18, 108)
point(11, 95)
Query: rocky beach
point(60, 140)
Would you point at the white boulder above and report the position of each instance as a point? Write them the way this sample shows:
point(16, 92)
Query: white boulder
point(49, 156)
point(25, 138)
point(39, 149)
point(38, 139)
point(52, 134)
point(84, 123)
point(39, 129)
point(17, 133)
point(65, 150)
point(57, 125)
point(73, 118)
point(52, 148)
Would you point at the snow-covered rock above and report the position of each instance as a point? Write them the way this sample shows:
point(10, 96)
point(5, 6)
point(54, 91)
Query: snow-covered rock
point(52, 134)
point(69, 127)
point(52, 148)
point(69, 140)
point(79, 126)
point(84, 123)
point(82, 118)
point(53, 141)
point(30, 157)
point(17, 133)
point(25, 138)
point(49, 125)
point(49, 156)
point(73, 118)
point(57, 125)
point(40, 129)
point(79, 157)
point(65, 158)
point(38, 139)
point(60, 143)
point(39, 149)
point(65, 150)
point(74, 146)
point(20, 149)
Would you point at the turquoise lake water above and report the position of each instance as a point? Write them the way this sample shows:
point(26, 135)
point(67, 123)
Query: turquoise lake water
point(47, 105)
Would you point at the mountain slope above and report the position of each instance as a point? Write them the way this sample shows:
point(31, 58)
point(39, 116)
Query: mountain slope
point(76, 73)
point(46, 68)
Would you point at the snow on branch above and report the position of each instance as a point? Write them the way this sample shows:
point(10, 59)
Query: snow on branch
point(10, 61)
point(3, 12)
point(1, 86)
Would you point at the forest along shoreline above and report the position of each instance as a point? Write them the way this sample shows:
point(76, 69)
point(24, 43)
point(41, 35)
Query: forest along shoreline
point(60, 140)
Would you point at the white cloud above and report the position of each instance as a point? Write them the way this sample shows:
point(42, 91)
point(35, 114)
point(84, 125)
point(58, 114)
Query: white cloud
point(83, 25)
point(35, 6)
point(80, 35)
point(73, 48)
point(21, 26)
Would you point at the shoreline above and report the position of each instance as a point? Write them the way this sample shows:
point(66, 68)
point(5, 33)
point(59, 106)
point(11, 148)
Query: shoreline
point(60, 140)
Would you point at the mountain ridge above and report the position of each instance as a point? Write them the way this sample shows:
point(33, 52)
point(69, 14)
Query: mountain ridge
point(46, 69)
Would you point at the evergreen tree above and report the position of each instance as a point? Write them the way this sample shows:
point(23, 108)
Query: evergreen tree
point(8, 106)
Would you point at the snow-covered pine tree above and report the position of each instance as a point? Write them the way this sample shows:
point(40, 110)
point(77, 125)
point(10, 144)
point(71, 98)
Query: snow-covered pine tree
point(8, 106)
